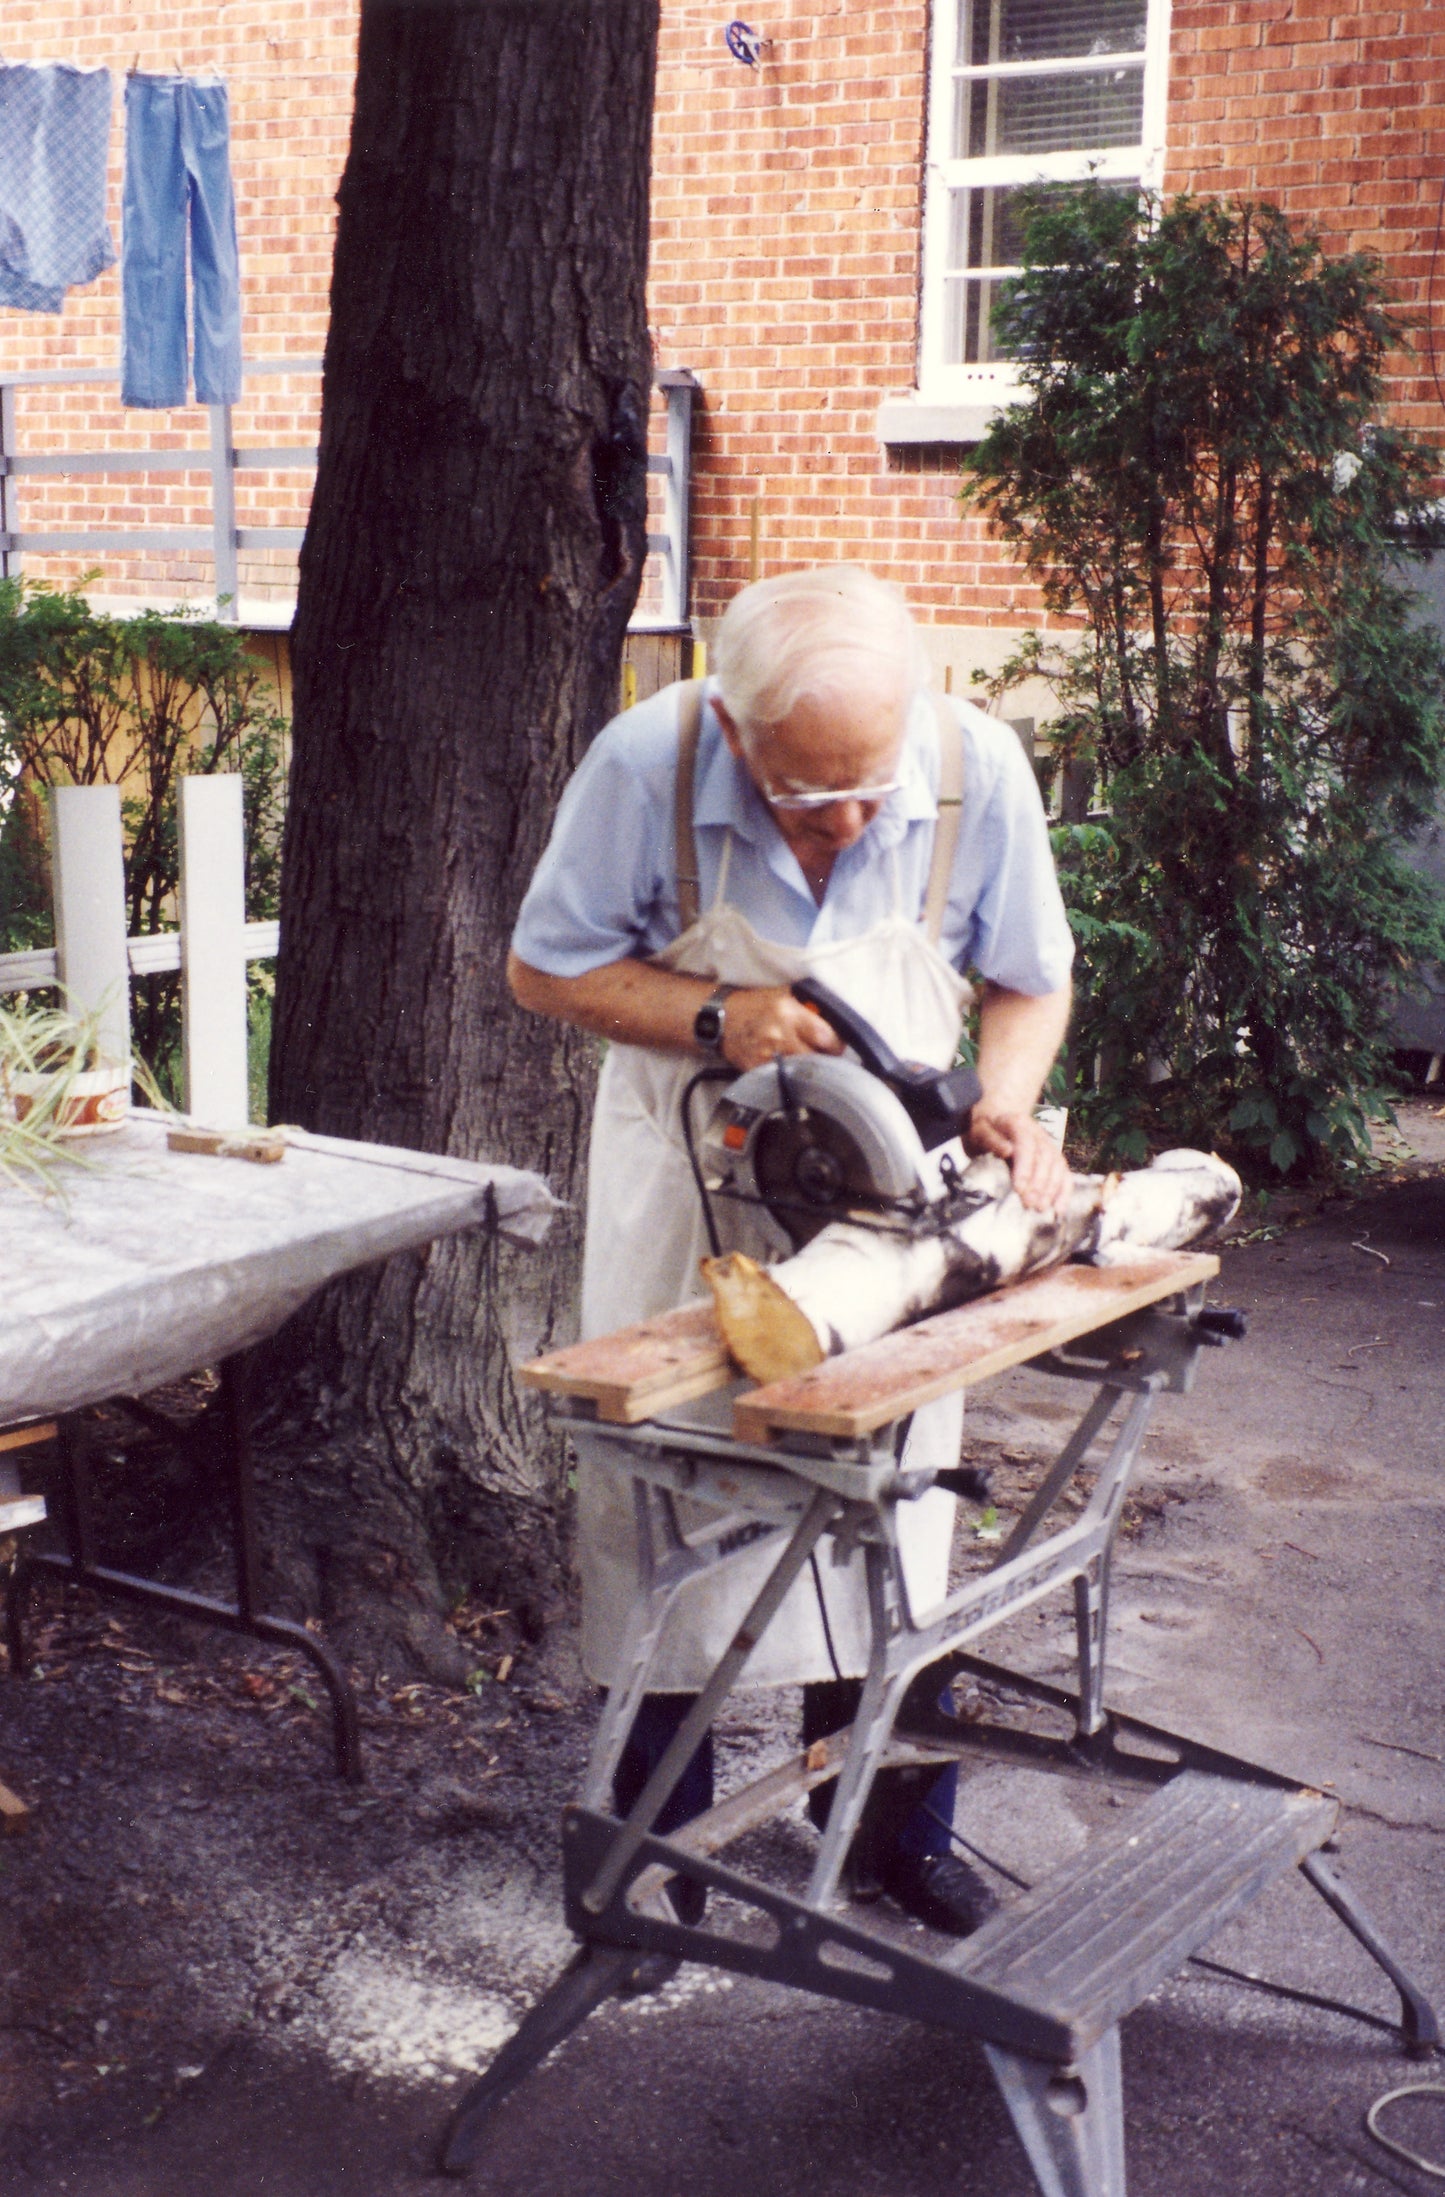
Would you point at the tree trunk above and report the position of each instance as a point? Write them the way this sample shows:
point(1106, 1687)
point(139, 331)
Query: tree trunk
point(474, 552)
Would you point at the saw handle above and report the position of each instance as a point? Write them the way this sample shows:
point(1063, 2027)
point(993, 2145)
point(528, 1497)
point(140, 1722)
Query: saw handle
point(937, 1100)
point(874, 1051)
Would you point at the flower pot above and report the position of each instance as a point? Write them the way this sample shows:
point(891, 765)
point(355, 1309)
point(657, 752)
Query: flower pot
point(92, 1104)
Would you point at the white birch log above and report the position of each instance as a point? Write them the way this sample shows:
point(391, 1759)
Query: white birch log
point(852, 1284)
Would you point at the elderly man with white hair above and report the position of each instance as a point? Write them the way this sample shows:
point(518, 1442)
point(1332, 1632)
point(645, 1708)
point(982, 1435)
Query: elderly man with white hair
point(719, 842)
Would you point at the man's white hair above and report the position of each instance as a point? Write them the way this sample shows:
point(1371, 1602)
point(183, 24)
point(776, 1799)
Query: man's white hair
point(815, 635)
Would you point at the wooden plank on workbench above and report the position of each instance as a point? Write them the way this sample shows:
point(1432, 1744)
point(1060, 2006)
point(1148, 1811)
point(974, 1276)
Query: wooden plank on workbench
point(638, 1371)
point(867, 1388)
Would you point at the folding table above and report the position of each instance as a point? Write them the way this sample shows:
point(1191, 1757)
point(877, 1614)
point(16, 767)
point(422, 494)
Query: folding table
point(144, 1264)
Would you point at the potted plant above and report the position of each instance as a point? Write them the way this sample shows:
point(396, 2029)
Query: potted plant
point(56, 1084)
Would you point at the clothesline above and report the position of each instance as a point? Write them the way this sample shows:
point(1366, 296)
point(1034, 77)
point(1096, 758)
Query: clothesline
point(214, 70)
point(277, 75)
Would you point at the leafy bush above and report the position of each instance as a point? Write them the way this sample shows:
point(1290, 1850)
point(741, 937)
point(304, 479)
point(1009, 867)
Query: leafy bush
point(87, 699)
point(1200, 480)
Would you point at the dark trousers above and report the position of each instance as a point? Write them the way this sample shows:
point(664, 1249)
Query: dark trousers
point(908, 1811)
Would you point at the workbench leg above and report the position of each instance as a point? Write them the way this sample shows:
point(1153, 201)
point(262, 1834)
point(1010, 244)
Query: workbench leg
point(76, 1509)
point(592, 1976)
point(1419, 2028)
point(1091, 1624)
point(1091, 1588)
point(884, 1691)
point(1070, 2120)
point(665, 1563)
point(240, 1485)
point(820, 1515)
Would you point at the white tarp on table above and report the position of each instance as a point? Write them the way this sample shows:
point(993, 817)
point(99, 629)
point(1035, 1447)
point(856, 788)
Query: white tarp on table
point(148, 1264)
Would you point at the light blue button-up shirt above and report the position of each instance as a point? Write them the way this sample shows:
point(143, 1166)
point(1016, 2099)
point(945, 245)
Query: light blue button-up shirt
point(606, 887)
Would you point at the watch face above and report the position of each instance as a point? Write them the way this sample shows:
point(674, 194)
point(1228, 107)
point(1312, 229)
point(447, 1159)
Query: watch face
point(707, 1026)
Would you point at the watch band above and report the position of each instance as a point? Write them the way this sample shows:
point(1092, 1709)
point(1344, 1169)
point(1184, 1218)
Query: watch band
point(711, 1018)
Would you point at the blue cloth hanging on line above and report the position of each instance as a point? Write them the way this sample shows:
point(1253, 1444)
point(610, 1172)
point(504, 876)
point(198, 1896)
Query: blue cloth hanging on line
point(54, 137)
point(178, 175)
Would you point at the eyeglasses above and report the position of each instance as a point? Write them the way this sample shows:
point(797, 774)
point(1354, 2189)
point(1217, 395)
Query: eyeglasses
point(829, 797)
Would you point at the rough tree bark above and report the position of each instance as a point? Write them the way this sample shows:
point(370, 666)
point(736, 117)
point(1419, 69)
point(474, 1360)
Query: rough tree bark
point(473, 555)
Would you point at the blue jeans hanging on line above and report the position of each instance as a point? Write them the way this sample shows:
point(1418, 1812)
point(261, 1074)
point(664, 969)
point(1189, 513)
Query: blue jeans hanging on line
point(178, 164)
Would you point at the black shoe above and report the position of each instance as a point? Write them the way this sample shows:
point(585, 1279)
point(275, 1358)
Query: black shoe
point(940, 1890)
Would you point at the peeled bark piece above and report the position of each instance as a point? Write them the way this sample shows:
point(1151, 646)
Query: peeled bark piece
point(852, 1284)
point(768, 1335)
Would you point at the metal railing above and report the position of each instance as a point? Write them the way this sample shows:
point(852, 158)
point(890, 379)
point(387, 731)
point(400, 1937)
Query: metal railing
point(223, 541)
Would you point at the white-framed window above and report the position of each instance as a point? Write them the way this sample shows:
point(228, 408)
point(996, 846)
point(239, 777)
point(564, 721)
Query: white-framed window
point(1023, 92)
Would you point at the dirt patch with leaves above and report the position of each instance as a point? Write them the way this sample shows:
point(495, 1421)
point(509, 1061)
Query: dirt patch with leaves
point(193, 1873)
point(1015, 1475)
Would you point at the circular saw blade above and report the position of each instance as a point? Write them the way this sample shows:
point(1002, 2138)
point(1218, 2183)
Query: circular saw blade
point(839, 1143)
point(809, 1171)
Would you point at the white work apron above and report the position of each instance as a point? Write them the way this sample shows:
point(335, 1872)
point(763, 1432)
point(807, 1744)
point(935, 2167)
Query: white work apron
point(645, 1237)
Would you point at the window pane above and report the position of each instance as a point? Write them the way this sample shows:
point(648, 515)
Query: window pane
point(985, 229)
point(1047, 114)
point(1046, 30)
point(968, 338)
point(985, 242)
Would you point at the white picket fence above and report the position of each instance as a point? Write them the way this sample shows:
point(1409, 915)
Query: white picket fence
point(94, 959)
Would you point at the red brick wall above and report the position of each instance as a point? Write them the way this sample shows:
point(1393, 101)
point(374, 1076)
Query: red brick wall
point(290, 70)
point(1337, 116)
point(786, 247)
point(785, 256)
point(785, 273)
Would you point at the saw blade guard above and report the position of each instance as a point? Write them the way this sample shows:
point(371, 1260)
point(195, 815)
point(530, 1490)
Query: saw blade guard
point(814, 1138)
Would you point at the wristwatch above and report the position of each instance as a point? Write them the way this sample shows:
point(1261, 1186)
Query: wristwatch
point(708, 1022)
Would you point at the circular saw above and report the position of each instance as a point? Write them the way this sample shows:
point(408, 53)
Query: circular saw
point(820, 1137)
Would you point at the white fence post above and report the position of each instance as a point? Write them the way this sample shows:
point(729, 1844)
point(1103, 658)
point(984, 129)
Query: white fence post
point(213, 950)
point(90, 942)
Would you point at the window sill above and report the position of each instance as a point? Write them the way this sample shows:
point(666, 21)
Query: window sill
point(908, 421)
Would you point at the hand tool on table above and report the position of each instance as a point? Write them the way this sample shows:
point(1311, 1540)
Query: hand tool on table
point(1045, 1982)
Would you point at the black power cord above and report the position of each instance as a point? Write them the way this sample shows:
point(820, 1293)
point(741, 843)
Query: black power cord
point(720, 1074)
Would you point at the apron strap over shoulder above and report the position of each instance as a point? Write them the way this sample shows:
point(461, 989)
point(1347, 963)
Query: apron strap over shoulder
point(689, 724)
point(950, 817)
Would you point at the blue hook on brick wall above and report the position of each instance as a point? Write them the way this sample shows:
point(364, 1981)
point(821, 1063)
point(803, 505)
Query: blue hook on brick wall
point(743, 43)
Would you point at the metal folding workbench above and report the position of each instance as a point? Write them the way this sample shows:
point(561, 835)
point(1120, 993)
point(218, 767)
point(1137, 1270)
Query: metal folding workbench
point(1045, 1982)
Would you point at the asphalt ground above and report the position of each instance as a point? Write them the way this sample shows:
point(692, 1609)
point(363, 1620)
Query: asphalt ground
point(223, 1972)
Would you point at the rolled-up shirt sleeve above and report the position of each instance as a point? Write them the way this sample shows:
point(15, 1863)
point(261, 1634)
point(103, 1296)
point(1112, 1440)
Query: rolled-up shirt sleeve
point(1005, 915)
point(601, 875)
